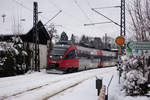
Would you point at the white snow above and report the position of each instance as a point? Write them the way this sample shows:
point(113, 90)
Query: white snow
point(40, 85)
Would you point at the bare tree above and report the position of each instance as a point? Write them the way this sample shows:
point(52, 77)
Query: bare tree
point(147, 15)
point(17, 27)
point(139, 11)
point(52, 34)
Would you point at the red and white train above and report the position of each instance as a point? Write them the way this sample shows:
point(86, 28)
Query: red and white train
point(70, 58)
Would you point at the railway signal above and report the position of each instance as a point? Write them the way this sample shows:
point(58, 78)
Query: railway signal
point(120, 42)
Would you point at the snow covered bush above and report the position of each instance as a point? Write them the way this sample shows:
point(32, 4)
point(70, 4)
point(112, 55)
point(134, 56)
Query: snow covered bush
point(7, 60)
point(133, 80)
point(12, 58)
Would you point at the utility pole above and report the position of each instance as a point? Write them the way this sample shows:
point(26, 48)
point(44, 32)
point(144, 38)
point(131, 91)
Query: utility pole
point(36, 56)
point(122, 20)
point(122, 34)
point(121, 25)
point(122, 17)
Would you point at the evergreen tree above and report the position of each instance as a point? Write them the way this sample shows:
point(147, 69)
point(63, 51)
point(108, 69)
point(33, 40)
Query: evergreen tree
point(12, 58)
point(7, 60)
point(84, 41)
point(97, 43)
point(20, 56)
point(73, 39)
point(63, 37)
point(9, 65)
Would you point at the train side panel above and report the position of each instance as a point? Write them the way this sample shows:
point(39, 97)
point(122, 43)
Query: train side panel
point(80, 58)
point(87, 58)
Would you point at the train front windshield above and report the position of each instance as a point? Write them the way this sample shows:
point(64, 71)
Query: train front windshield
point(58, 51)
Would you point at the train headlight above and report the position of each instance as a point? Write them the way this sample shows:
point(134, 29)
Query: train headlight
point(50, 56)
point(60, 57)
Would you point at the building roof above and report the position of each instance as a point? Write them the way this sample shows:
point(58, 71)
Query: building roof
point(28, 37)
point(43, 34)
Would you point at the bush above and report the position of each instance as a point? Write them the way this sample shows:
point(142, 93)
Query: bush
point(134, 81)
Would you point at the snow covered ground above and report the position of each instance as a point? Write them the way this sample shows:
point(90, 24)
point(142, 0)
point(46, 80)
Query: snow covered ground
point(39, 85)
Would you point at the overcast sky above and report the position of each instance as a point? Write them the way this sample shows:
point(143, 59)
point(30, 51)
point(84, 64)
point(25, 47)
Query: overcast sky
point(75, 13)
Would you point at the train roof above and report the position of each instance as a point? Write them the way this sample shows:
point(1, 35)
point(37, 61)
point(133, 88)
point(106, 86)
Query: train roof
point(62, 46)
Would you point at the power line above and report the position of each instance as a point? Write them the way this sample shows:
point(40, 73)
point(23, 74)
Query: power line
point(38, 12)
point(26, 7)
point(40, 15)
point(105, 17)
point(96, 23)
point(67, 13)
point(53, 17)
point(53, 4)
point(88, 3)
point(22, 5)
point(107, 7)
point(75, 1)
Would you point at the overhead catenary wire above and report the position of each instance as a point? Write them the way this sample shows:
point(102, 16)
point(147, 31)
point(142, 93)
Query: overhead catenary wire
point(105, 17)
point(22, 5)
point(79, 20)
point(65, 12)
point(94, 9)
point(107, 7)
point(75, 1)
point(31, 10)
point(53, 17)
point(88, 3)
point(96, 23)
point(86, 16)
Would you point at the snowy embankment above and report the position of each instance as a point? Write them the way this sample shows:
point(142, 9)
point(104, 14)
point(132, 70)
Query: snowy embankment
point(87, 90)
point(39, 86)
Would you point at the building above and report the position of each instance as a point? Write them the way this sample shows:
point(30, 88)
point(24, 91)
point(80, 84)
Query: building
point(28, 42)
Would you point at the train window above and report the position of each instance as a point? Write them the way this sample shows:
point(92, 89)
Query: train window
point(71, 55)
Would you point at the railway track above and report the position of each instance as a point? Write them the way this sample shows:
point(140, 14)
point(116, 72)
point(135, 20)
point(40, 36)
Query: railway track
point(53, 86)
point(37, 86)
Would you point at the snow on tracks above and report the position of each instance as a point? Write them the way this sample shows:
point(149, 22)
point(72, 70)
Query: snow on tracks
point(51, 86)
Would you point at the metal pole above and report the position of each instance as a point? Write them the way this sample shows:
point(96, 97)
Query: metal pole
point(108, 87)
point(122, 31)
point(36, 38)
point(122, 20)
